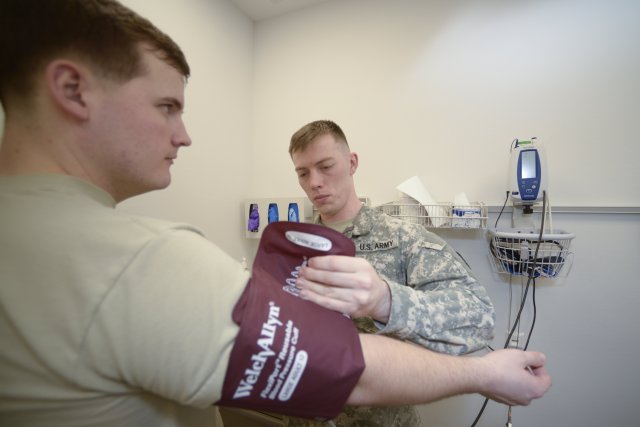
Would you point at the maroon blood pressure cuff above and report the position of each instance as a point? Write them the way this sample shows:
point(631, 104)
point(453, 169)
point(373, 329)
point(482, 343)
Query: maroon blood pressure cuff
point(291, 356)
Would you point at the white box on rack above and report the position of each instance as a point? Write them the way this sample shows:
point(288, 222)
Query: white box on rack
point(466, 217)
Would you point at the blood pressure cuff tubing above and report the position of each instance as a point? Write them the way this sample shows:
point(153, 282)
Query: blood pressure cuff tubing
point(291, 356)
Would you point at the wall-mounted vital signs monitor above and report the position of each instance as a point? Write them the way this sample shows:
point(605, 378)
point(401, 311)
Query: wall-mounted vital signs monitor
point(527, 172)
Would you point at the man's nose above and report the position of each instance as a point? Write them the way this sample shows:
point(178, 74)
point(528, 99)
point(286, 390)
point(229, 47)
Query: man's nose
point(181, 136)
point(315, 180)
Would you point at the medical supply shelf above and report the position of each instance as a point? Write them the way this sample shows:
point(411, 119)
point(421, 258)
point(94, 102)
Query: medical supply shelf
point(513, 251)
point(440, 215)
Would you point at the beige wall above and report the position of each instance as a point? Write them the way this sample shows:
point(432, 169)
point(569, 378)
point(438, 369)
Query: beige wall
point(439, 89)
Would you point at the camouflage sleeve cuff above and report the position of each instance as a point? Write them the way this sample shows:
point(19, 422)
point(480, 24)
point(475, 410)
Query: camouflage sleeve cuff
point(449, 329)
point(401, 304)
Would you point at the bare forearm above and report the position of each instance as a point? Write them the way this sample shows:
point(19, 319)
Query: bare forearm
point(403, 373)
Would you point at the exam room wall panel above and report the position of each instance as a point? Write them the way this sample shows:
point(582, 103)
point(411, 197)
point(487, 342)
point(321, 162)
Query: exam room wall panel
point(586, 324)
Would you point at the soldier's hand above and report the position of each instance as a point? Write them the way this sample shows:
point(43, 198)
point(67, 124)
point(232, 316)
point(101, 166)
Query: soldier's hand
point(345, 284)
point(515, 377)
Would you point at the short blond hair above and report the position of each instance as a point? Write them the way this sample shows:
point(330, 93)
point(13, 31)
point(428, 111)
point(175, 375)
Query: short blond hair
point(309, 132)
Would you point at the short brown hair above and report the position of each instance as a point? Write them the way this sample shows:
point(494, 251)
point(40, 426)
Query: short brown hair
point(104, 32)
point(309, 132)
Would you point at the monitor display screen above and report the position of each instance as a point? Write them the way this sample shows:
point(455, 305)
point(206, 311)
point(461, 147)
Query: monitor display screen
point(528, 164)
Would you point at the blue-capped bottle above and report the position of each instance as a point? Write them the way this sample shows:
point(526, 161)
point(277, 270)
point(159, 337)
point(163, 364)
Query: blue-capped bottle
point(294, 215)
point(273, 214)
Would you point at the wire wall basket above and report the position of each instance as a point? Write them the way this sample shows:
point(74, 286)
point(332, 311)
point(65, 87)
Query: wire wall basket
point(440, 215)
point(513, 251)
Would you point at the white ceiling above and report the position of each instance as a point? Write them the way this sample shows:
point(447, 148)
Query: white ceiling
point(264, 9)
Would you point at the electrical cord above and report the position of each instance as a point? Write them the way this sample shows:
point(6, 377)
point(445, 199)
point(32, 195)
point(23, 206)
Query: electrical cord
point(502, 210)
point(516, 323)
point(532, 273)
point(533, 321)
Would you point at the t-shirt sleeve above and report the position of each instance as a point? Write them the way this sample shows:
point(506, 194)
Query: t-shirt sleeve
point(165, 327)
point(291, 356)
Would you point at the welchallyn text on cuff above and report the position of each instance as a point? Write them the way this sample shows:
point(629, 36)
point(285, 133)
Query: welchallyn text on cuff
point(291, 356)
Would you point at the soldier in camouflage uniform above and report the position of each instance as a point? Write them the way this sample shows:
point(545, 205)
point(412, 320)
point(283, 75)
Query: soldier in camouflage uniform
point(420, 290)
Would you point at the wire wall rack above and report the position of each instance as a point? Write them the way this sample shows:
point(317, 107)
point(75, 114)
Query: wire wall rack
point(440, 215)
point(513, 251)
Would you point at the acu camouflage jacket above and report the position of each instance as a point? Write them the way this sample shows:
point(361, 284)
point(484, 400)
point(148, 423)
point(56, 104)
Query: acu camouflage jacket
point(436, 300)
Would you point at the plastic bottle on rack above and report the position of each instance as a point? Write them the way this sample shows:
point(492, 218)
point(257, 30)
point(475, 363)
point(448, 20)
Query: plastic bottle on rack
point(293, 212)
point(253, 225)
point(272, 214)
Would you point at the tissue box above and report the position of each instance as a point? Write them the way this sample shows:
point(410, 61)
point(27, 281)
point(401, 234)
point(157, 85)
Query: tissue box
point(466, 217)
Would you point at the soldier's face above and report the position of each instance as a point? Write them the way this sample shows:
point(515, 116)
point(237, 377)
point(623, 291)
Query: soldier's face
point(325, 171)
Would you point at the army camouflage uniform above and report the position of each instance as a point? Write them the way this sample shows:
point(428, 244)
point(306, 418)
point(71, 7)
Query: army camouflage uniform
point(436, 302)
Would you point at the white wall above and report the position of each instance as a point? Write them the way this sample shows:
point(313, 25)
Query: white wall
point(440, 89)
point(210, 178)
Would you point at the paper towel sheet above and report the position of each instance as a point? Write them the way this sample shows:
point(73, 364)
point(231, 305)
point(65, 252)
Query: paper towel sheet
point(414, 188)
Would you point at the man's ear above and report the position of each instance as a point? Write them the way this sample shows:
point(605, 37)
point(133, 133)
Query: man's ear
point(67, 82)
point(353, 163)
